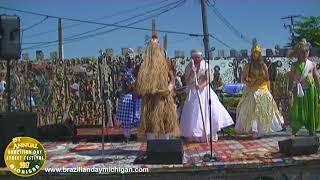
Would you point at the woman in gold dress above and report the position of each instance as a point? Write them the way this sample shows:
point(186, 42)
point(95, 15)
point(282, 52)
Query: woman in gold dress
point(257, 112)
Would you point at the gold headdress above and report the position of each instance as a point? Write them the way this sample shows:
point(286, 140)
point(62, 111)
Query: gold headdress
point(256, 48)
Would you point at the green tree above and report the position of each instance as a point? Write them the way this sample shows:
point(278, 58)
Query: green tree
point(309, 28)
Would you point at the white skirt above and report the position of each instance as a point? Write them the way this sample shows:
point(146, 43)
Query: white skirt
point(191, 124)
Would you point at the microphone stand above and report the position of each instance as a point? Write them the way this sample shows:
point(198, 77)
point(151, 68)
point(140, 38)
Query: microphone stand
point(209, 157)
point(102, 96)
point(8, 83)
point(199, 100)
point(29, 66)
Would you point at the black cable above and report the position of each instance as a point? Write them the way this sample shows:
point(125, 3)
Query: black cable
point(227, 23)
point(124, 20)
point(98, 23)
point(87, 36)
point(145, 29)
point(138, 21)
point(181, 40)
point(43, 42)
point(35, 24)
point(220, 41)
point(83, 33)
point(126, 11)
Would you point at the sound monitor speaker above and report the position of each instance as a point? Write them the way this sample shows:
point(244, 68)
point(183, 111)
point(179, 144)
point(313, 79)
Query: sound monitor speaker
point(299, 146)
point(56, 131)
point(164, 151)
point(10, 45)
point(14, 124)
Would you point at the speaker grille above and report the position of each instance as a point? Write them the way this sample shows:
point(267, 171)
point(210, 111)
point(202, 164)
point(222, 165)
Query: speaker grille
point(10, 44)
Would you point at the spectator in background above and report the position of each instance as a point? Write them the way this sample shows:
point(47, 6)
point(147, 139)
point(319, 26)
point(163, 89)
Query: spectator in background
point(88, 91)
point(217, 83)
point(128, 109)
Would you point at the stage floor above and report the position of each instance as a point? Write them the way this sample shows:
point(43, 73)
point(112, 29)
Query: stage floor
point(231, 153)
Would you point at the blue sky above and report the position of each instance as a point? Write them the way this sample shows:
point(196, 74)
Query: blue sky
point(259, 19)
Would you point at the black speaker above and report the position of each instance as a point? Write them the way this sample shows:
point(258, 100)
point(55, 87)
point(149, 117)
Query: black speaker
point(164, 151)
point(15, 124)
point(299, 146)
point(57, 131)
point(10, 45)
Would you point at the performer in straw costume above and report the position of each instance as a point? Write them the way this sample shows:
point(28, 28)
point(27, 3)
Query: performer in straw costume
point(155, 86)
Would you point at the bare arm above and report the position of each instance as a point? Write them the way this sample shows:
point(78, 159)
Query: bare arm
point(172, 80)
point(266, 74)
point(244, 74)
point(290, 85)
point(291, 79)
point(315, 75)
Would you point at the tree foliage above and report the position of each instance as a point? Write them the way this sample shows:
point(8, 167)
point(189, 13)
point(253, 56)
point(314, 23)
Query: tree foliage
point(309, 28)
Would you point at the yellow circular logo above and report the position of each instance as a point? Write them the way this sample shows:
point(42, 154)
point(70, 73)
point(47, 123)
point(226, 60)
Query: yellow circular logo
point(25, 156)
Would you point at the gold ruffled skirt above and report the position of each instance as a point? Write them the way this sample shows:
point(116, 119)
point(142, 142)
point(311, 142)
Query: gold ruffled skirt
point(257, 112)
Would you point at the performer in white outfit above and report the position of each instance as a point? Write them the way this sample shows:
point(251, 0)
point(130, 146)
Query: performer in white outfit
point(192, 119)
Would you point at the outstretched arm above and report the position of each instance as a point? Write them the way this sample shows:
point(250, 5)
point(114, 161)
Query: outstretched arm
point(290, 85)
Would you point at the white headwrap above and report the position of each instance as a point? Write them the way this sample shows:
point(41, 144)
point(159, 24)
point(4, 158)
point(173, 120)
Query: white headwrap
point(130, 53)
point(196, 52)
point(302, 45)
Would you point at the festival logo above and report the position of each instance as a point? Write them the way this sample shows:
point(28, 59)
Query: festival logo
point(25, 156)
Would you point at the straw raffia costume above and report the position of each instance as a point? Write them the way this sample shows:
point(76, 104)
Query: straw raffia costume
point(158, 110)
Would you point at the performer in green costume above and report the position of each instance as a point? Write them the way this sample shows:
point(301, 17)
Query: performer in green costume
point(303, 91)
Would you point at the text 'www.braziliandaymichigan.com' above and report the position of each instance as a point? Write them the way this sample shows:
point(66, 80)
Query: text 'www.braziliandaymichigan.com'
point(113, 170)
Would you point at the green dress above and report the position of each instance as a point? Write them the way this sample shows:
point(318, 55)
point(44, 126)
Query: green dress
point(304, 111)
